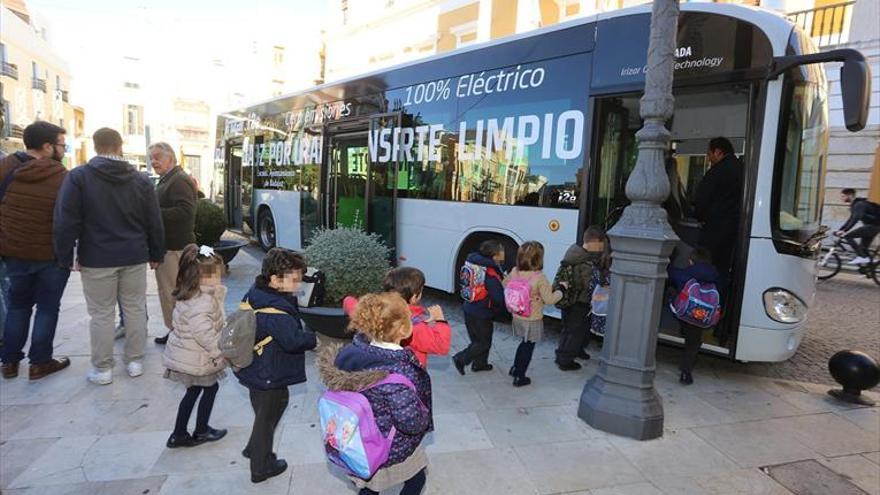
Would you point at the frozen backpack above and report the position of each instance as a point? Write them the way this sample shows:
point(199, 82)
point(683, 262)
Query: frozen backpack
point(472, 281)
point(599, 300)
point(697, 304)
point(352, 439)
point(518, 296)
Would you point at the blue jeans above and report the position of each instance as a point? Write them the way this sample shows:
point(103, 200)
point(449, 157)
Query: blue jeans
point(4, 289)
point(31, 283)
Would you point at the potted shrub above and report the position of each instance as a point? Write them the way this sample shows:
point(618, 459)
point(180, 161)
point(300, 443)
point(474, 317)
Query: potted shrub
point(354, 263)
point(210, 226)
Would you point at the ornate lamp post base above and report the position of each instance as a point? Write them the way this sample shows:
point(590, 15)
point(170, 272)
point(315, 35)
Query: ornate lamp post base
point(621, 397)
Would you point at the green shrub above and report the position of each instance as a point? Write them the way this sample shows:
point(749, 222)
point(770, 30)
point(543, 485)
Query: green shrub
point(210, 223)
point(353, 261)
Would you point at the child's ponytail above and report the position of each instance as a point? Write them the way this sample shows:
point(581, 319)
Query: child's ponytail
point(194, 262)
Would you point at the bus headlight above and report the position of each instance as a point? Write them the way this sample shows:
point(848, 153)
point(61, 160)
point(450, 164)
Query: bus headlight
point(783, 306)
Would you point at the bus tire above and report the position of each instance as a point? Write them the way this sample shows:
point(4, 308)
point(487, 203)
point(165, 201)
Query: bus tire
point(266, 233)
point(828, 266)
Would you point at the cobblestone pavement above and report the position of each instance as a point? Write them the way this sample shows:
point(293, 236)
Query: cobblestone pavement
point(845, 315)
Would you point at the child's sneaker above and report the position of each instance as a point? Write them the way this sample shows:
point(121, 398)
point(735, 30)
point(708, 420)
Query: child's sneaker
point(99, 377)
point(135, 368)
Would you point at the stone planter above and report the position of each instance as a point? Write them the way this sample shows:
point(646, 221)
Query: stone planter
point(227, 249)
point(329, 322)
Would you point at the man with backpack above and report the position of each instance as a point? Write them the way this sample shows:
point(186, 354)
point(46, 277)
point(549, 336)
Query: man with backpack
point(483, 295)
point(860, 210)
point(29, 184)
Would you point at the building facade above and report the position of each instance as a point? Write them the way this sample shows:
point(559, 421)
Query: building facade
point(34, 80)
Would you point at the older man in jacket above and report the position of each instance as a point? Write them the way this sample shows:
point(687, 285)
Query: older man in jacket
point(177, 202)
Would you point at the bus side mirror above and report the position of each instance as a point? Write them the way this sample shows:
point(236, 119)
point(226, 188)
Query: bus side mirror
point(855, 80)
point(855, 89)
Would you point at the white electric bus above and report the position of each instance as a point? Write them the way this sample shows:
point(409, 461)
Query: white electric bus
point(533, 137)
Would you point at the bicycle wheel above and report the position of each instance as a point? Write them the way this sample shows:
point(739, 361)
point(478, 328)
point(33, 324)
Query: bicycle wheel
point(829, 265)
point(875, 272)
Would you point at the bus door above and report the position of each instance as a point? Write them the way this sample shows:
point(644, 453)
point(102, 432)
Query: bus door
point(233, 184)
point(701, 113)
point(360, 190)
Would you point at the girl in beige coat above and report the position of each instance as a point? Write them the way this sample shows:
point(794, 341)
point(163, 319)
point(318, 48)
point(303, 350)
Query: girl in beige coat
point(529, 263)
point(191, 354)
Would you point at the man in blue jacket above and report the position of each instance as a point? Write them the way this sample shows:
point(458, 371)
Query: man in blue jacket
point(108, 213)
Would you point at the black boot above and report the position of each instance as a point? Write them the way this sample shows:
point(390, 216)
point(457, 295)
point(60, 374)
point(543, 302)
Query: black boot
point(686, 378)
point(276, 467)
point(521, 363)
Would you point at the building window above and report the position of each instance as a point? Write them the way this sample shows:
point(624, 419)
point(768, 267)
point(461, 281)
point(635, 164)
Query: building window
point(131, 85)
point(133, 123)
point(278, 55)
point(193, 165)
point(2, 53)
point(465, 34)
point(569, 9)
point(7, 117)
point(35, 71)
point(277, 87)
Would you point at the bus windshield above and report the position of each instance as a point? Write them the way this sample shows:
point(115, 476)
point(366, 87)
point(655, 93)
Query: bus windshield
point(800, 178)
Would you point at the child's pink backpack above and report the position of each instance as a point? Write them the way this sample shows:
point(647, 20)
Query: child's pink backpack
point(518, 296)
point(352, 439)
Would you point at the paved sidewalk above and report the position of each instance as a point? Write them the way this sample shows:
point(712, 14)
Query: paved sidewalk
point(62, 435)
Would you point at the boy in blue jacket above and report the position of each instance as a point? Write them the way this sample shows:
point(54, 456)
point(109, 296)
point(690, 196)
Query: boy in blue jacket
point(699, 268)
point(479, 315)
point(282, 362)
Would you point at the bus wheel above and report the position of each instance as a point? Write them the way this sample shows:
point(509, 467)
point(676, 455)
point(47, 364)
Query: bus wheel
point(829, 265)
point(266, 229)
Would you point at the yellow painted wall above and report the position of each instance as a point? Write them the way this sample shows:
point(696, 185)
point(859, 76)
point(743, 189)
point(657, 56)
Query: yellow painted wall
point(874, 187)
point(448, 20)
point(549, 12)
point(503, 18)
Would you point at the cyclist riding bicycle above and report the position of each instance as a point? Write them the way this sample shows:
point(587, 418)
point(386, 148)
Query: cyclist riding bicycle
point(869, 214)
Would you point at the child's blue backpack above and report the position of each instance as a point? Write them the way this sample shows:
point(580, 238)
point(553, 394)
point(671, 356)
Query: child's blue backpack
point(352, 439)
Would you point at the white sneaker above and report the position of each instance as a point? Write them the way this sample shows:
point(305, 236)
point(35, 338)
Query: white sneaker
point(859, 260)
point(99, 377)
point(135, 368)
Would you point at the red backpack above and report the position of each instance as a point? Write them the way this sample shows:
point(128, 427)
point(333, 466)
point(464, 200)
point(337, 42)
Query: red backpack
point(472, 281)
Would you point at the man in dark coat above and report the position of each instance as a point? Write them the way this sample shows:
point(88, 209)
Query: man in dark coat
point(718, 204)
point(177, 202)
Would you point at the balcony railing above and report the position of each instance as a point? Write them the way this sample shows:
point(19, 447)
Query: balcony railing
point(827, 25)
point(9, 70)
point(39, 84)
